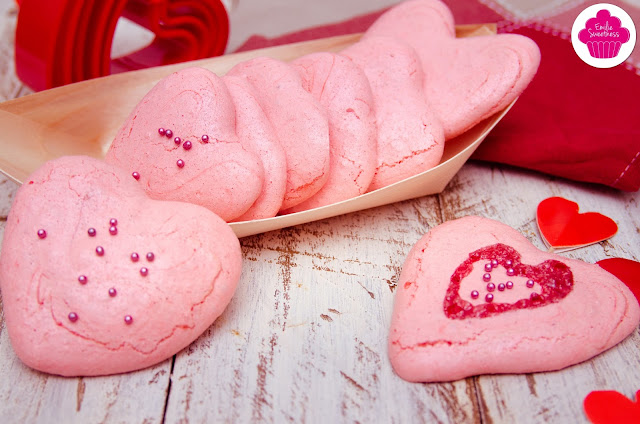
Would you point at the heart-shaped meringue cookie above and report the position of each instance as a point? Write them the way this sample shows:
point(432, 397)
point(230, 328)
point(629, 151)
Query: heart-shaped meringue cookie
point(256, 131)
point(410, 137)
point(476, 297)
point(181, 140)
point(343, 90)
point(97, 278)
point(466, 79)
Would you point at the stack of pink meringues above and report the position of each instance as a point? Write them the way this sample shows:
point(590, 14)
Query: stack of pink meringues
point(272, 138)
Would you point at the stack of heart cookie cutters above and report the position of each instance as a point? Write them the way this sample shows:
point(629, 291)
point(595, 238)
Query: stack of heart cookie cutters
point(63, 41)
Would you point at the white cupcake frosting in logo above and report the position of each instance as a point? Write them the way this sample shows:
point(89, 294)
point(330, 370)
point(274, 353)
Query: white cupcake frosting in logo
point(603, 35)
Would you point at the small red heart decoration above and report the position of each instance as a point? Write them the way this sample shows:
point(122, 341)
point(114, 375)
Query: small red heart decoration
point(626, 270)
point(611, 407)
point(563, 228)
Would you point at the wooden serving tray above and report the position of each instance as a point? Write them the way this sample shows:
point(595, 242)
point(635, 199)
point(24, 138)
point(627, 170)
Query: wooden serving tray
point(83, 118)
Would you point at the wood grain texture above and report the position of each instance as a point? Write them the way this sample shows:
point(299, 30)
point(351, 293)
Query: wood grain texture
point(10, 86)
point(305, 337)
point(313, 346)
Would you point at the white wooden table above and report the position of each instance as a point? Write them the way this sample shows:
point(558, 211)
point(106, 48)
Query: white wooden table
point(304, 339)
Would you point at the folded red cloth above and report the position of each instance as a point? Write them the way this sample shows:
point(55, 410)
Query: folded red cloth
point(573, 121)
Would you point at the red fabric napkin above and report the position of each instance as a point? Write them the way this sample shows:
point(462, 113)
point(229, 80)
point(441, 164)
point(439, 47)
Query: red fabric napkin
point(573, 121)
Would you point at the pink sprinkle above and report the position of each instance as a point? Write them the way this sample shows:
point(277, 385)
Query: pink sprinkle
point(187, 145)
point(128, 319)
point(180, 163)
point(144, 271)
point(205, 138)
point(177, 140)
point(491, 287)
point(489, 298)
point(150, 256)
point(113, 221)
point(134, 257)
point(168, 133)
point(161, 131)
point(42, 233)
point(136, 175)
point(474, 294)
point(83, 279)
point(91, 232)
point(113, 230)
point(73, 317)
point(112, 292)
point(100, 251)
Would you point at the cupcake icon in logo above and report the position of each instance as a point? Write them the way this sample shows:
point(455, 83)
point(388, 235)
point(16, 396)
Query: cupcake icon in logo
point(604, 35)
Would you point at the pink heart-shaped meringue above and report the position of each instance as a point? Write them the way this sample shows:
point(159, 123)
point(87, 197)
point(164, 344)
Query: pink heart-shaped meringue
point(182, 142)
point(466, 79)
point(97, 278)
point(476, 297)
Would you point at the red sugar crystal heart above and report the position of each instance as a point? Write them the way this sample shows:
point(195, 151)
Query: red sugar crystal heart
point(563, 228)
point(611, 407)
point(554, 278)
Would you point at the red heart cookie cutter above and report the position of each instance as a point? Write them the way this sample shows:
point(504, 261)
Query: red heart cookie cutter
point(63, 41)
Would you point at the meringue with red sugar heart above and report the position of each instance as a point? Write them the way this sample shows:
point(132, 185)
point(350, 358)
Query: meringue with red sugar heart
point(449, 323)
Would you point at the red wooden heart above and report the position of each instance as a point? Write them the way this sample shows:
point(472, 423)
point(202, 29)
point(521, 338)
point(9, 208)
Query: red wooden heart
point(553, 278)
point(611, 407)
point(563, 227)
point(626, 270)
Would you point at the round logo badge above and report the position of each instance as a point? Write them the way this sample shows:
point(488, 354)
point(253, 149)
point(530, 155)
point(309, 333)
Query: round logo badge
point(603, 35)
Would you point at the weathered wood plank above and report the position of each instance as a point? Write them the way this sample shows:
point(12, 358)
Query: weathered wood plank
point(305, 337)
point(10, 86)
point(28, 396)
point(7, 191)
